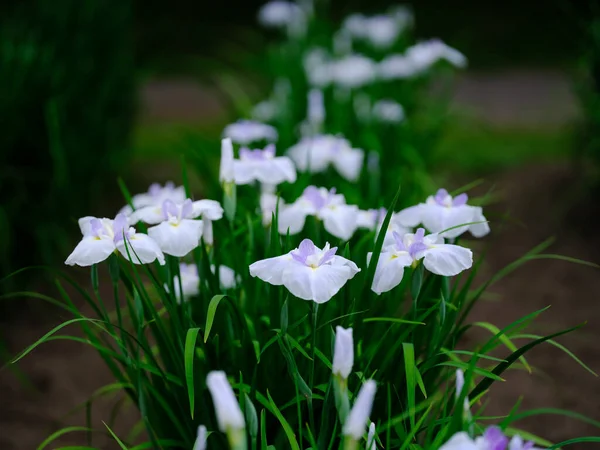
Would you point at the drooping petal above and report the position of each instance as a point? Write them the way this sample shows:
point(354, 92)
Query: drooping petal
point(208, 209)
point(148, 214)
point(460, 441)
point(447, 260)
point(316, 283)
point(142, 249)
point(341, 261)
point(340, 220)
point(292, 218)
point(177, 239)
point(479, 229)
point(271, 269)
point(349, 162)
point(438, 218)
point(85, 225)
point(389, 271)
point(90, 250)
point(282, 169)
point(410, 217)
point(245, 171)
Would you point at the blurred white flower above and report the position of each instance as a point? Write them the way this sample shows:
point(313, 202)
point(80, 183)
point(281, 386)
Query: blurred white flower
point(461, 441)
point(190, 280)
point(343, 354)
point(381, 31)
point(155, 196)
point(438, 258)
point(307, 272)
point(418, 59)
point(284, 15)
point(441, 211)
point(388, 111)
point(317, 153)
point(339, 219)
point(268, 206)
point(263, 166)
point(248, 131)
point(226, 168)
point(371, 441)
point(316, 107)
point(200, 443)
point(228, 412)
point(353, 71)
point(355, 425)
point(177, 233)
point(102, 237)
point(460, 384)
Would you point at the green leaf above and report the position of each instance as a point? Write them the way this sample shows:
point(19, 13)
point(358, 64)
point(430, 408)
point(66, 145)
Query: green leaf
point(411, 379)
point(393, 320)
point(123, 447)
point(575, 441)
point(251, 416)
point(486, 383)
point(503, 338)
point(189, 352)
point(284, 423)
point(60, 433)
point(210, 314)
point(478, 370)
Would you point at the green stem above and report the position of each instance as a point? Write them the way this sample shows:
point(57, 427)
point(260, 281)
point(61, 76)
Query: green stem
point(311, 375)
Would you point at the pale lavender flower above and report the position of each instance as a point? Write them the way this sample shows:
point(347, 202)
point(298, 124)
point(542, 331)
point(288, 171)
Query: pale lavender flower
point(353, 71)
point(396, 66)
point(338, 218)
point(343, 354)
point(263, 166)
point(438, 258)
point(317, 153)
point(442, 211)
point(247, 131)
point(316, 107)
point(155, 196)
point(102, 237)
point(190, 280)
point(284, 15)
point(426, 53)
point(354, 428)
point(388, 111)
point(307, 272)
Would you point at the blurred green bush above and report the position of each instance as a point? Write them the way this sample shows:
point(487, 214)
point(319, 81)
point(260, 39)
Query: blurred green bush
point(66, 105)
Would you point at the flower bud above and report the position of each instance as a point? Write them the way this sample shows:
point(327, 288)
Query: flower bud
point(354, 428)
point(228, 412)
point(200, 443)
point(343, 355)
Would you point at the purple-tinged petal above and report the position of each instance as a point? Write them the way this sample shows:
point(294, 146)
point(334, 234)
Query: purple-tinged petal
point(313, 195)
point(495, 439)
point(96, 227)
point(328, 256)
point(398, 239)
point(460, 200)
point(155, 189)
point(187, 209)
point(269, 151)
point(419, 234)
point(416, 248)
point(440, 196)
point(169, 209)
point(120, 227)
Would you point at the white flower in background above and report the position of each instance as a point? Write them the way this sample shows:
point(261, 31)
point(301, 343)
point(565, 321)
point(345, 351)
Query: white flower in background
point(317, 153)
point(355, 425)
point(371, 441)
point(372, 219)
point(268, 207)
point(381, 31)
point(316, 107)
point(227, 409)
point(155, 196)
point(339, 219)
point(460, 441)
point(353, 71)
point(307, 272)
point(460, 384)
point(265, 111)
point(439, 258)
point(517, 443)
point(388, 111)
point(177, 233)
point(442, 211)
point(190, 280)
point(201, 437)
point(316, 62)
point(226, 174)
point(102, 237)
point(283, 15)
point(396, 66)
point(343, 353)
point(426, 53)
point(263, 166)
point(248, 131)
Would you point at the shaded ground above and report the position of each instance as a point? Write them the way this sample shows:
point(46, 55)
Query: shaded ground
point(66, 374)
